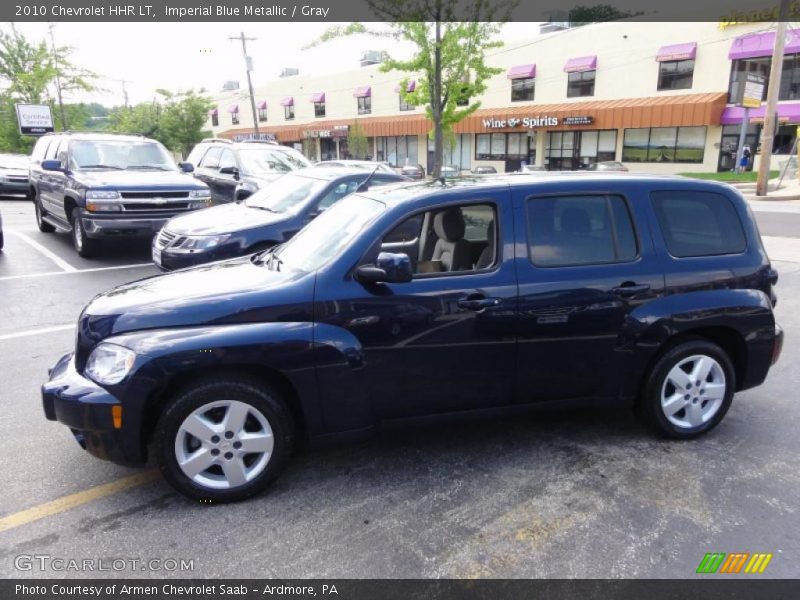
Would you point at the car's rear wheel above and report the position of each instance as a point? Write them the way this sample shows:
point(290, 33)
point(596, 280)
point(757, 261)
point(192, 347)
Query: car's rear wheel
point(224, 440)
point(689, 389)
point(84, 245)
point(43, 225)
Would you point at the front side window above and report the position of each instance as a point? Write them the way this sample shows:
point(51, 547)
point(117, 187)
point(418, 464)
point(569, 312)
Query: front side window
point(664, 144)
point(287, 194)
point(459, 239)
point(523, 89)
point(288, 112)
point(578, 230)
point(268, 160)
point(698, 223)
point(211, 159)
point(227, 160)
point(364, 105)
point(675, 74)
point(580, 83)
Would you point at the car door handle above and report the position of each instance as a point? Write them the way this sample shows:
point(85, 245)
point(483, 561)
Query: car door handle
point(630, 289)
point(472, 303)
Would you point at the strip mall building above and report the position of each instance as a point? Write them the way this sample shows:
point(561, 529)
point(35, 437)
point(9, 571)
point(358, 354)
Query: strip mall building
point(652, 95)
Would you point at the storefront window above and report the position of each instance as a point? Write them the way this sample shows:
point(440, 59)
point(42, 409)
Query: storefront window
point(664, 144)
point(397, 151)
point(580, 84)
point(571, 150)
point(790, 76)
point(458, 152)
point(675, 74)
point(522, 89)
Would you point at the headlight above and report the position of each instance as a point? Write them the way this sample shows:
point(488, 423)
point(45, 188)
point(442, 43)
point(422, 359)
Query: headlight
point(203, 242)
point(102, 195)
point(109, 364)
point(206, 193)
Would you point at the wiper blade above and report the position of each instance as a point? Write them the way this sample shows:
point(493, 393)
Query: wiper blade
point(149, 167)
point(266, 208)
point(101, 167)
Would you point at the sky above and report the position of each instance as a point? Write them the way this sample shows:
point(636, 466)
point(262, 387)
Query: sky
point(180, 56)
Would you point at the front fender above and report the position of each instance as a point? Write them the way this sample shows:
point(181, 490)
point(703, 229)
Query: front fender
point(649, 326)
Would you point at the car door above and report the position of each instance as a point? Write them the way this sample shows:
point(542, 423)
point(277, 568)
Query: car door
point(227, 177)
point(47, 180)
point(207, 169)
point(585, 261)
point(443, 341)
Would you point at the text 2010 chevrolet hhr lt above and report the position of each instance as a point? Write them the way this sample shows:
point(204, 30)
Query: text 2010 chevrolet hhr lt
point(428, 298)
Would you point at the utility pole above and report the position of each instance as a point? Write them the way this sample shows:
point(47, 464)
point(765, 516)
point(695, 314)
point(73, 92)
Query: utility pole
point(248, 63)
point(768, 134)
point(124, 91)
point(58, 78)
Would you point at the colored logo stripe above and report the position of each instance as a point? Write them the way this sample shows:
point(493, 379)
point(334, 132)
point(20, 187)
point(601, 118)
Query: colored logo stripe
point(758, 563)
point(711, 562)
point(733, 563)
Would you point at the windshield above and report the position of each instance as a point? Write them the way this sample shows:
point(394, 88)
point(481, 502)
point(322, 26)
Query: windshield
point(14, 161)
point(327, 235)
point(286, 194)
point(269, 160)
point(110, 154)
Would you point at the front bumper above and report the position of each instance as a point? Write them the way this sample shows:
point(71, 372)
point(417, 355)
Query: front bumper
point(86, 408)
point(121, 225)
point(13, 187)
point(169, 261)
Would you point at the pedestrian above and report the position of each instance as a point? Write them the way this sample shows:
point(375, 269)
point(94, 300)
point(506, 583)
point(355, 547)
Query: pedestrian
point(745, 160)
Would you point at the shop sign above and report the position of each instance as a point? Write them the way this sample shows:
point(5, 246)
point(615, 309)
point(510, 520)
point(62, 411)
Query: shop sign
point(753, 90)
point(325, 133)
point(34, 119)
point(532, 122)
point(261, 137)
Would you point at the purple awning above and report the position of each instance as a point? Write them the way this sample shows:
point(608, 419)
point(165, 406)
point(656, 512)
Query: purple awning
point(233, 108)
point(213, 112)
point(363, 91)
point(522, 72)
point(687, 51)
point(761, 44)
point(412, 85)
point(287, 101)
point(318, 97)
point(582, 63)
point(262, 105)
point(733, 115)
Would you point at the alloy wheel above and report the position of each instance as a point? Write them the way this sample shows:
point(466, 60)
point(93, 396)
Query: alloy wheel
point(693, 391)
point(224, 444)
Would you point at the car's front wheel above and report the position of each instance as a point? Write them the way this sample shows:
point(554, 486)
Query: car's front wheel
point(689, 389)
point(85, 246)
point(224, 439)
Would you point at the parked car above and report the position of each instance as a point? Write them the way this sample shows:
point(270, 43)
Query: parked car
point(14, 175)
point(484, 170)
point(413, 171)
point(608, 165)
point(270, 216)
point(234, 171)
point(532, 169)
point(368, 165)
point(655, 291)
point(105, 186)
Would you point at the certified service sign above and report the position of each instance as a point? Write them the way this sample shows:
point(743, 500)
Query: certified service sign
point(34, 119)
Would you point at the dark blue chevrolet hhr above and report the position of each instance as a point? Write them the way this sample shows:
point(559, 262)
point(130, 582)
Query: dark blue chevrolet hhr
point(428, 298)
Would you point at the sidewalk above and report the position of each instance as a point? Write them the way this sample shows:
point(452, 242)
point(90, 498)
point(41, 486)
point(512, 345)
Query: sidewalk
point(789, 190)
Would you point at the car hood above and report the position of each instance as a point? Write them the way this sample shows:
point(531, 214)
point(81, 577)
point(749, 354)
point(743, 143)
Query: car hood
point(138, 180)
point(225, 292)
point(13, 171)
point(226, 218)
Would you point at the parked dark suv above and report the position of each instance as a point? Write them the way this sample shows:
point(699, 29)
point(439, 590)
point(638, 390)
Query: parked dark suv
point(104, 186)
point(234, 171)
point(428, 298)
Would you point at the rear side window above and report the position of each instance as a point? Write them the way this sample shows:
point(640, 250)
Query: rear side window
point(698, 223)
point(580, 230)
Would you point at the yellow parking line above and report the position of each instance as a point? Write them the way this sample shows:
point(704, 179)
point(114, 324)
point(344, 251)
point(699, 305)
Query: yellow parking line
point(65, 503)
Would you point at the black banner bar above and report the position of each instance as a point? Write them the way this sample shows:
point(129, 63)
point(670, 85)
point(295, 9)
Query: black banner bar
point(708, 588)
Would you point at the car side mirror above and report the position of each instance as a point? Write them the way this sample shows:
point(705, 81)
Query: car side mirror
point(390, 267)
point(52, 165)
point(230, 171)
point(186, 167)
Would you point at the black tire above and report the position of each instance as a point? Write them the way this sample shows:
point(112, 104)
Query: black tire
point(43, 225)
point(85, 246)
point(255, 393)
point(650, 404)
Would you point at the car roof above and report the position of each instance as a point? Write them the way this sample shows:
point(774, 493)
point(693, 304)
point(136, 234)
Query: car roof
point(100, 137)
point(408, 192)
point(328, 173)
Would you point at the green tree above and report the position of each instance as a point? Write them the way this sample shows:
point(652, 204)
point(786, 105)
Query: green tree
point(450, 42)
point(357, 142)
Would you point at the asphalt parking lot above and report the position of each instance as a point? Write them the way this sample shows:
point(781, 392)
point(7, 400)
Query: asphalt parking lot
point(586, 493)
